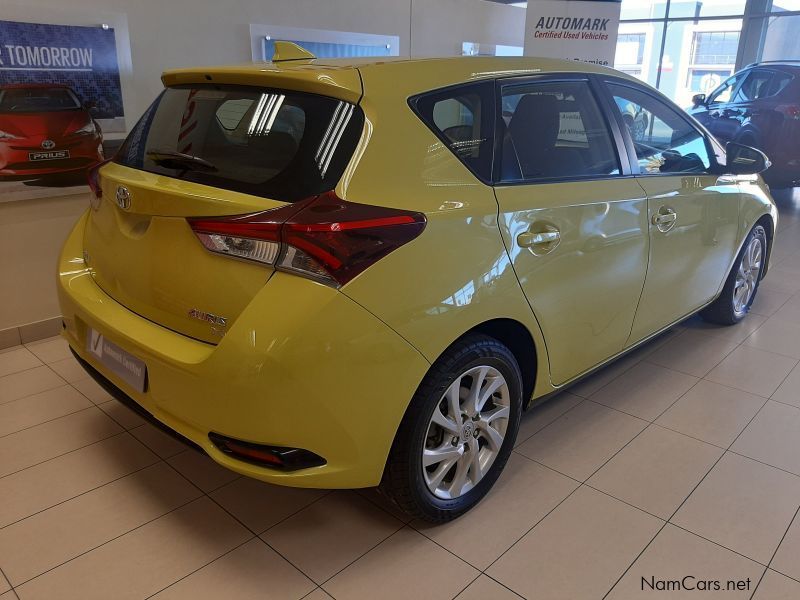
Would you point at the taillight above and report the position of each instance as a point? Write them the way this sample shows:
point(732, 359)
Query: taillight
point(93, 179)
point(790, 111)
point(323, 238)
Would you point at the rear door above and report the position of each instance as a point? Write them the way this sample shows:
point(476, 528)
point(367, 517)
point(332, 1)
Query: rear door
point(693, 214)
point(200, 151)
point(573, 221)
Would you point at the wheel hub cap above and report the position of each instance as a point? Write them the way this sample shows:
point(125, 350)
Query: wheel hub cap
point(747, 276)
point(466, 432)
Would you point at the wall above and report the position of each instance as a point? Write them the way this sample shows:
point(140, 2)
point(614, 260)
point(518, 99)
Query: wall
point(175, 33)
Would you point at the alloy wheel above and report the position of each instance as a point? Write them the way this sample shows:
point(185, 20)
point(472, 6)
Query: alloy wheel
point(466, 432)
point(747, 275)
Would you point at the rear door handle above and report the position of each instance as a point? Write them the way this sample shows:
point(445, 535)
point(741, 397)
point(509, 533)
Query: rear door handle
point(530, 239)
point(665, 219)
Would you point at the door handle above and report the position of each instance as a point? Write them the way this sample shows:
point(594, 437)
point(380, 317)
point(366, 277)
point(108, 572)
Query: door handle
point(530, 239)
point(665, 219)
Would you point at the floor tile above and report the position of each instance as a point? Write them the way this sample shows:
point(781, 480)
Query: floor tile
point(159, 442)
point(752, 370)
point(607, 374)
point(781, 280)
point(524, 494)
point(17, 359)
point(579, 442)
point(694, 352)
point(128, 567)
point(407, 565)
point(252, 571)
point(92, 390)
point(486, 588)
point(69, 369)
point(675, 554)
point(37, 488)
point(657, 470)
point(39, 408)
point(51, 349)
point(318, 594)
point(260, 505)
point(579, 550)
point(712, 412)
point(787, 559)
point(775, 586)
point(743, 505)
point(789, 390)
point(121, 414)
point(768, 302)
point(201, 470)
point(49, 538)
point(9, 595)
point(34, 445)
point(646, 390)
point(4, 586)
point(24, 383)
point(732, 333)
point(325, 537)
point(773, 437)
point(780, 337)
point(383, 502)
point(541, 415)
point(789, 311)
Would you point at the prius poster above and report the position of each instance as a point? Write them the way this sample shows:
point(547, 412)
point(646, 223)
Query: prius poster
point(59, 94)
point(573, 29)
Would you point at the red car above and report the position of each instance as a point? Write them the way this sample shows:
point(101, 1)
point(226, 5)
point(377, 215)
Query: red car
point(46, 133)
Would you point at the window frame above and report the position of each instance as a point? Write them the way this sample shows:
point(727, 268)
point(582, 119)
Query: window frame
point(617, 141)
point(714, 167)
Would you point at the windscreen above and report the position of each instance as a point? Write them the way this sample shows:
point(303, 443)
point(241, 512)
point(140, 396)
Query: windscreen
point(276, 144)
point(37, 100)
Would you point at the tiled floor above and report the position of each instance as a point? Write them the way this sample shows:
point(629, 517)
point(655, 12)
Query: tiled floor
point(682, 459)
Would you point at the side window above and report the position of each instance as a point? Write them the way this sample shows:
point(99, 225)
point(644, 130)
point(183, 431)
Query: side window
point(552, 130)
point(754, 87)
point(463, 118)
point(778, 83)
point(665, 141)
point(723, 93)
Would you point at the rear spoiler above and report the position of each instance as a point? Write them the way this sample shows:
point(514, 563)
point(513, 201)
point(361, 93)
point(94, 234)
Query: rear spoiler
point(299, 74)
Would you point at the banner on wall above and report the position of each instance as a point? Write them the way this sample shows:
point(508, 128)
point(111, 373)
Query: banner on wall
point(584, 30)
point(59, 93)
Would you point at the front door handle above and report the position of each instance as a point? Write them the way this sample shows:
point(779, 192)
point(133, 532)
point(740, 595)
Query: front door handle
point(530, 239)
point(665, 219)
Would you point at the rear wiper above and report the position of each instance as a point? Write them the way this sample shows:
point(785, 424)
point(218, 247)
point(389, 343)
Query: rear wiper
point(187, 162)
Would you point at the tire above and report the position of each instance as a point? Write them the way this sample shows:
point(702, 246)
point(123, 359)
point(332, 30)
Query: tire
point(734, 302)
point(413, 487)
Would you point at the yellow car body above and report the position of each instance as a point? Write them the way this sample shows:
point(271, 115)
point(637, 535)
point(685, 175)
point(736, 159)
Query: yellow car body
point(305, 365)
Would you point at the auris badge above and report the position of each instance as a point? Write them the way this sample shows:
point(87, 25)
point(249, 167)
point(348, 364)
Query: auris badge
point(48, 144)
point(218, 324)
point(123, 197)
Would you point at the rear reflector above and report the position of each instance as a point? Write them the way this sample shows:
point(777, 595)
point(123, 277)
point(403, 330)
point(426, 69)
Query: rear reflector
point(279, 457)
point(93, 179)
point(324, 238)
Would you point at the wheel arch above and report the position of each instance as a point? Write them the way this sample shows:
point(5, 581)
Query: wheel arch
point(768, 224)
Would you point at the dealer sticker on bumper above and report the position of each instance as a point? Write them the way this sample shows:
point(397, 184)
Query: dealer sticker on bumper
point(132, 370)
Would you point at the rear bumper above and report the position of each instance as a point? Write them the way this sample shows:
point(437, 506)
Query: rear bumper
point(15, 163)
point(303, 367)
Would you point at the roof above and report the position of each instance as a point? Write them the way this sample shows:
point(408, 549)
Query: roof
point(341, 78)
point(17, 86)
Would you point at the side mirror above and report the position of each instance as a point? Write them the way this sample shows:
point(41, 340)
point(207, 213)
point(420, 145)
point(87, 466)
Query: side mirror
point(744, 160)
point(90, 105)
point(698, 100)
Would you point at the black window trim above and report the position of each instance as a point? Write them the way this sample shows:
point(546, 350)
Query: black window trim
point(611, 123)
point(714, 167)
point(413, 103)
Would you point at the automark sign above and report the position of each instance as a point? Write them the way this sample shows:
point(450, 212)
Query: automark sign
point(574, 29)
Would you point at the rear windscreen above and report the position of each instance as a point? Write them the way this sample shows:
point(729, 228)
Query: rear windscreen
point(275, 144)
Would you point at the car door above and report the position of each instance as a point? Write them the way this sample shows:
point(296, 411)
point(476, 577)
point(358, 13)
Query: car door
point(714, 114)
point(739, 119)
point(573, 220)
point(693, 214)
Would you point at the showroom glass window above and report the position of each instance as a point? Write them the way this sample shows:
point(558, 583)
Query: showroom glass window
point(664, 140)
point(554, 130)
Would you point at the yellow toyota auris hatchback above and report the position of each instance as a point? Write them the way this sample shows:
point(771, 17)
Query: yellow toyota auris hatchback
point(343, 274)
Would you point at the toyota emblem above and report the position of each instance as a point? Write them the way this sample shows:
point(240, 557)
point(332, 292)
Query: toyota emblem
point(123, 197)
point(48, 144)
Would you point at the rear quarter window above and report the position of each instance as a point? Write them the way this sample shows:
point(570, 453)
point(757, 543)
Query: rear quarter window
point(462, 118)
point(275, 144)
